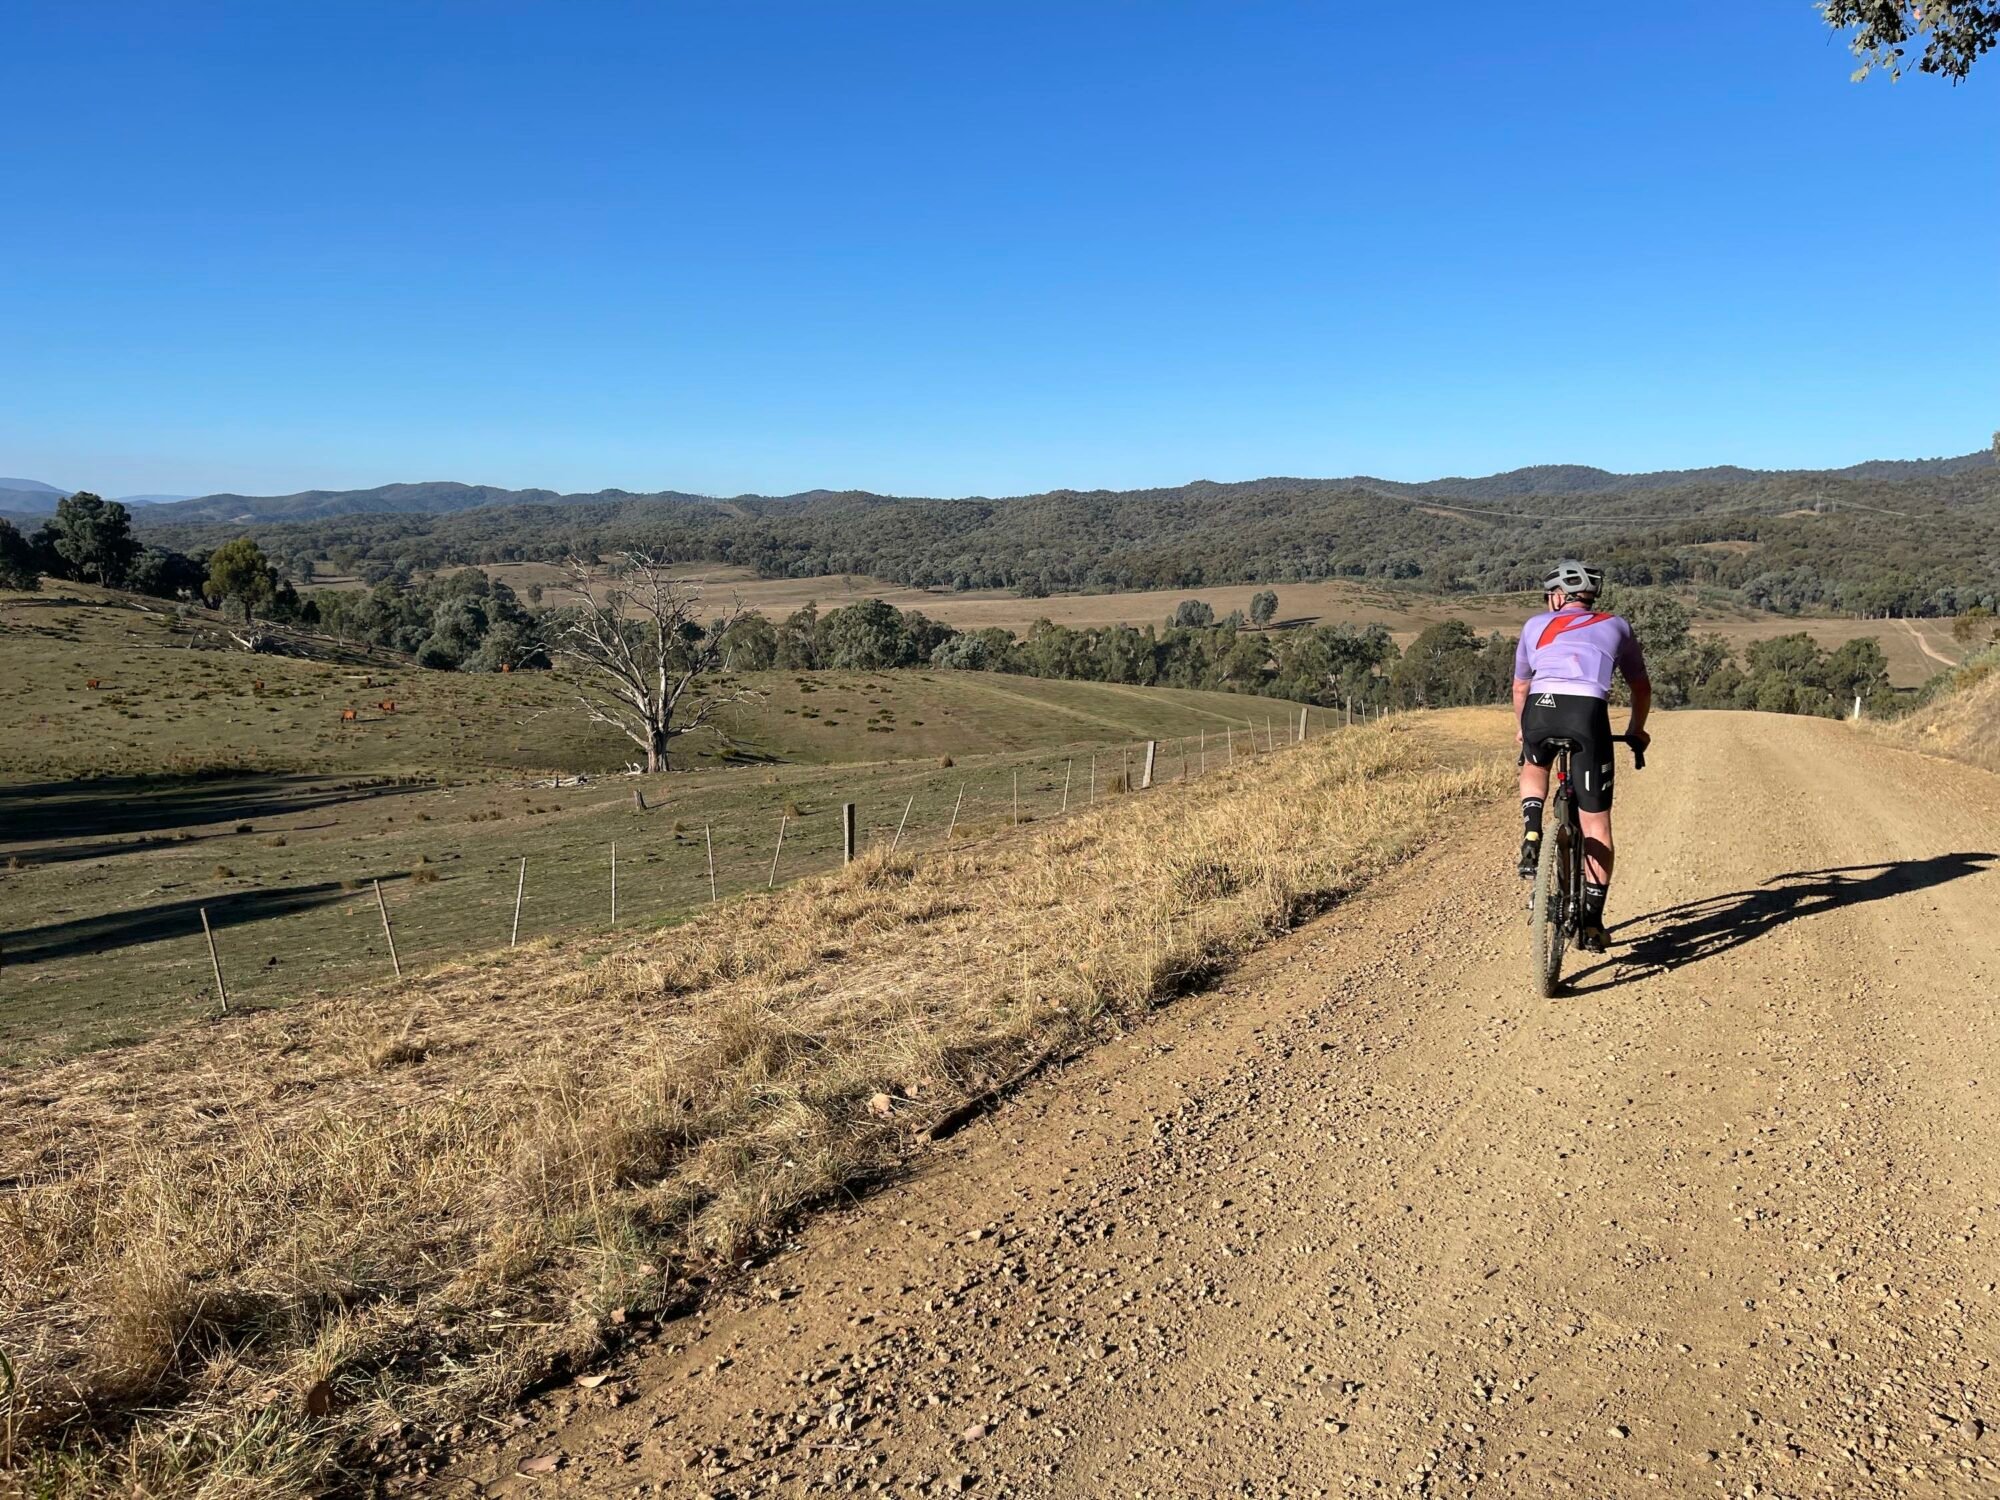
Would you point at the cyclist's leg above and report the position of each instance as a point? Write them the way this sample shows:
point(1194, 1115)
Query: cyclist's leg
point(1597, 849)
point(1594, 775)
point(1535, 758)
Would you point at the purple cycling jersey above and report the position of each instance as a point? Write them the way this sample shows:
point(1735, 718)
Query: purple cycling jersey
point(1574, 650)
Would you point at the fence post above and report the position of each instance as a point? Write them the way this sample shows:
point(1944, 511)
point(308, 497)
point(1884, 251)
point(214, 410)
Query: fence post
point(708, 837)
point(1204, 752)
point(1302, 724)
point(847, 833)
point(900, 822)
point(1146, 774)
point(1093, 782)
point(614, 880)
point(520, 889)
point(1068, 766)
point(388, 931)
point(954, 813)
point(1017, 797)
point(777, 851)
point(214, 962)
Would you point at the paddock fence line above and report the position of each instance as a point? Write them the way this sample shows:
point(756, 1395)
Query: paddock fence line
point(634, 870)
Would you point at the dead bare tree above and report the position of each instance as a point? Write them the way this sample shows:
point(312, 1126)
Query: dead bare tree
point(643, 660)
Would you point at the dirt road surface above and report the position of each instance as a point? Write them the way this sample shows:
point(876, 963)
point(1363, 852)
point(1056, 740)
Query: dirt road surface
point(1927, 648)
point(1722, 1218)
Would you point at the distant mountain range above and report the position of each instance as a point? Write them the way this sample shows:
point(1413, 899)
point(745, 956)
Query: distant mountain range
point(1892, 537)
point(30, 497)
point(445, 497)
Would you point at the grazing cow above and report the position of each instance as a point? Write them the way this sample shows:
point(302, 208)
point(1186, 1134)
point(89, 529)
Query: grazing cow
point(92, 682)
point(257, 686)
point(347, 716)
point(387, 705)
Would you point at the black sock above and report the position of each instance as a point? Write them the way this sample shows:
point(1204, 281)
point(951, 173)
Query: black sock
point(1593, 903)
point(1531, 815)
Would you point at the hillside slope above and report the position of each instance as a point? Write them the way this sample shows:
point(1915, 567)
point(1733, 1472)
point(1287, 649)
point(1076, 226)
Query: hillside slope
point(1372, 1218)
point(1866, 545)
point(1965, 722)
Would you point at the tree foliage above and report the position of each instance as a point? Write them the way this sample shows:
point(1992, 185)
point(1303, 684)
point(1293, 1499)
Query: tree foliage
point(17, 560)
point(93, 537)
point(463, 621)
point(1954, 34)
point(239, 570)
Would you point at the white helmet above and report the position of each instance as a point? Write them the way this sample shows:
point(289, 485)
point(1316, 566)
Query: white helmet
point(1573, 577)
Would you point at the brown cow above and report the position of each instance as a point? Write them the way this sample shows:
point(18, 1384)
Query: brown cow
point(257, 686)
point(387, 705)
point(92, 682)
point(347, 716)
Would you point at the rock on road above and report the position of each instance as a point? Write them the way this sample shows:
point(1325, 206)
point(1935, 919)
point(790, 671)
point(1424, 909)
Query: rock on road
point(1369, 1217)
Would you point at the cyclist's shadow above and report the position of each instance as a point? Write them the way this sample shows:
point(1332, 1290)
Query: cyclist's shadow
point(1695, 930)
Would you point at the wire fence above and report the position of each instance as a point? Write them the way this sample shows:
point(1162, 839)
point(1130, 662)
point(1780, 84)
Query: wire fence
point(609, 864)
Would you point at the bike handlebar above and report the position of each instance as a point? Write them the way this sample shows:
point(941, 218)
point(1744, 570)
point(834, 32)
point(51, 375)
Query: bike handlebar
point(1638, 750)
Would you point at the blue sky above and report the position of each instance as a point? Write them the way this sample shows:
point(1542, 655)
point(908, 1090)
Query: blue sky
point(948, 248)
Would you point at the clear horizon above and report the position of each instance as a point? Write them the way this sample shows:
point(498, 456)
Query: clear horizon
point(976, 252)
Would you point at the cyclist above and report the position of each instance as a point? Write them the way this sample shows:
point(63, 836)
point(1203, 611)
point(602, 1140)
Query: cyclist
point(1562, 683)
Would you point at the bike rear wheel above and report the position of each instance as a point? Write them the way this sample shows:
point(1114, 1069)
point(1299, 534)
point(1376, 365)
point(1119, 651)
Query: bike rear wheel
point(1548, 922)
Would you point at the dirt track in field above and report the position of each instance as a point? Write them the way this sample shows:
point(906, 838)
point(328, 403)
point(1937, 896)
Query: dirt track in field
point(1723, 1218)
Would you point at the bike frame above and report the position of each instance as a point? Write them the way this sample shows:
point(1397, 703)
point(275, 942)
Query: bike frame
point(1560, 906)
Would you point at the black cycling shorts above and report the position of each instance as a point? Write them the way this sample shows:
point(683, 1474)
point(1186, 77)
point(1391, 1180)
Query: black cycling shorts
point(1585, 721)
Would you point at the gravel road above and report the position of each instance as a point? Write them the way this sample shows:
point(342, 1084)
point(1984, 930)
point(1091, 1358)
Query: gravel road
point(1370, 1218)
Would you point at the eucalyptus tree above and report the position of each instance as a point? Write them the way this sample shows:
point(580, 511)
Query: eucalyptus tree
point(641, 658)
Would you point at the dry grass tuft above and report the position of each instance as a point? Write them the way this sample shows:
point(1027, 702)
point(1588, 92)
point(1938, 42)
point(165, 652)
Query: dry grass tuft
point(240, 1256)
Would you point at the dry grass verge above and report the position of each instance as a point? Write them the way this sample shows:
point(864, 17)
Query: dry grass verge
point(1963, 722)
point(235, 1261)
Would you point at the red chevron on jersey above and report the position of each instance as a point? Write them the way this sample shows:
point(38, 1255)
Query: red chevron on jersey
point(1564, 623)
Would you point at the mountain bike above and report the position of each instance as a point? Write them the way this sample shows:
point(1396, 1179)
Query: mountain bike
point(1556, 913)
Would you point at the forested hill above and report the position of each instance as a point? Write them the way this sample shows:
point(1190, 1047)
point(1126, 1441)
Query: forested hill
point(1913, 538)
point(440, 497)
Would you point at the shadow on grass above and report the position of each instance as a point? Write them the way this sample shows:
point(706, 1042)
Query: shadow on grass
point(1696, 930)
point(34, 813)
point(171, 919)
